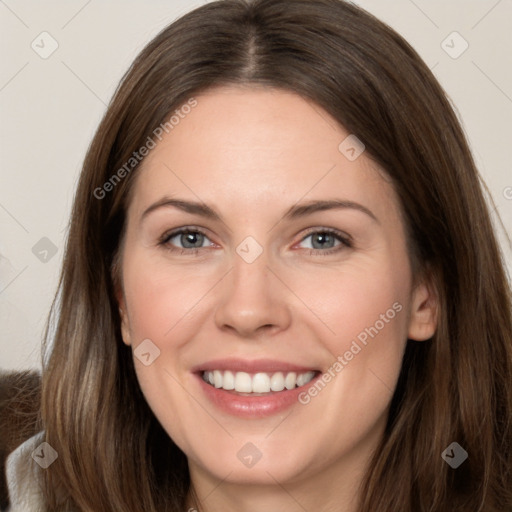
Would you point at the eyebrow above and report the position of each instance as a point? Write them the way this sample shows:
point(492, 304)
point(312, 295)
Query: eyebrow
point(296, 211)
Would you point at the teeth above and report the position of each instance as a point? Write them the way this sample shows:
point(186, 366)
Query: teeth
point(290, 380)
point(217, 379)
point(277, 382)
point(228, 381)
point(243, 382)
point(301, 380)
point(261, 383)
point(256, 383)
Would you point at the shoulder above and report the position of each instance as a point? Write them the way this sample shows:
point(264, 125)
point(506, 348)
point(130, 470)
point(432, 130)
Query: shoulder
point(24, 477)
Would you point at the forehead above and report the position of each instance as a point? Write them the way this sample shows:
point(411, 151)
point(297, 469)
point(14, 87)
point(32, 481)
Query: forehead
point(246, 146)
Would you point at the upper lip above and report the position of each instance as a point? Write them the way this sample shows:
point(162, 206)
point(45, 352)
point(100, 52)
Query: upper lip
point(251, 366)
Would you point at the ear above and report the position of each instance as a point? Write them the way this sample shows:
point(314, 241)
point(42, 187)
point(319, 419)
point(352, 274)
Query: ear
point(123, 315)
point(125, 325)
point(423, 316)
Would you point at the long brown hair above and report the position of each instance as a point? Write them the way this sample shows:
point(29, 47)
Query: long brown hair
point(456, 387)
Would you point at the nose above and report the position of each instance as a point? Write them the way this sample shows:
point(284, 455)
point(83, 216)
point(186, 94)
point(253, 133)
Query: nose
point(252, 301)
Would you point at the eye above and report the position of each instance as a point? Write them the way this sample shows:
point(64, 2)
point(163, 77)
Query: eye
point(185, 240)
point(191, 240)
point(326, 241)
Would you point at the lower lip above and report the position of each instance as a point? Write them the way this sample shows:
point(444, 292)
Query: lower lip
point(257, 406)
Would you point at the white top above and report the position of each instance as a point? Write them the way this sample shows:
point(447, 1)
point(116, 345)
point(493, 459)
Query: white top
point(24, 476)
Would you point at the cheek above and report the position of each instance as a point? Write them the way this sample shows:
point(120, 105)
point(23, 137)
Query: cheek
point(160, 298)
point(359, 299)
point(162, 305)
point(365, 307)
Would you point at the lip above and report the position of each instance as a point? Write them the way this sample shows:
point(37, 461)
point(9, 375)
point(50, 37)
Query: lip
point(254, 366)
point(255, 405)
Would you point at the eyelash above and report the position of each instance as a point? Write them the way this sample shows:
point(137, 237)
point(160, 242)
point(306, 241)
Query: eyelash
point(345, 240)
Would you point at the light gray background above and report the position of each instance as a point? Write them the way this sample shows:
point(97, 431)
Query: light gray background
point(51, 107)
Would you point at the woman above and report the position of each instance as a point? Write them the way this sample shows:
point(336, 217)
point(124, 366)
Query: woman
point(281, 289)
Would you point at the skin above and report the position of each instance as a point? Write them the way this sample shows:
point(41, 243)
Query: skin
point(251, 153)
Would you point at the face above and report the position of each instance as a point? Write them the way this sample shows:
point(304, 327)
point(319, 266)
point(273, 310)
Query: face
point(266, 258)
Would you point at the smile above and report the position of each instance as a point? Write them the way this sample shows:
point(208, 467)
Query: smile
point(262, 382)
point(253, 389)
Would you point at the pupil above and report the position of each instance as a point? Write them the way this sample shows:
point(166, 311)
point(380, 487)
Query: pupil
point(192, 240)
point(322, 240)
